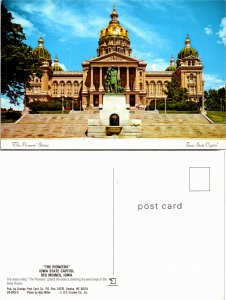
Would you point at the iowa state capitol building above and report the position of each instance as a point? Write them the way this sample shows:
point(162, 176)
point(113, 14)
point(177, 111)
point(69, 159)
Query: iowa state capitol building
point(140, 86)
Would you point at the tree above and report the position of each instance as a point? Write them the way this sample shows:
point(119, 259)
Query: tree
point(222, 98)
point(215, 99)
point(175, 92)
point(18, 62)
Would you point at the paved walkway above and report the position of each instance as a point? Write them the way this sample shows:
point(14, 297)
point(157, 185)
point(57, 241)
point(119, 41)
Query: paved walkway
point(75, 125)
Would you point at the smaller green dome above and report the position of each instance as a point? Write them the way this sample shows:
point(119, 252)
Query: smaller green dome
point(55, 66)
point(172, 66)
point(40, 51)
point(187, 50)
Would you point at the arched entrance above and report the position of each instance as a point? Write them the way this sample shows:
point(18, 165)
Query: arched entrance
point(114, 120)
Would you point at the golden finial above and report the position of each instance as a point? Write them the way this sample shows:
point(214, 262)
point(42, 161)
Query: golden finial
point(172, 60)
point(40, 41)
point(187, 41)
point(114, 14)
point(56, 59)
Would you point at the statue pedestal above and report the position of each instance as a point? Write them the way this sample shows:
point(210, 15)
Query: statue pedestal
point(114, 120)
point(114, 104)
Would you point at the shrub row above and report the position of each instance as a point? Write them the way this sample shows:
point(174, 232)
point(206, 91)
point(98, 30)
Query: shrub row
point(53, 105)
point(10, 116)
point(180, 106)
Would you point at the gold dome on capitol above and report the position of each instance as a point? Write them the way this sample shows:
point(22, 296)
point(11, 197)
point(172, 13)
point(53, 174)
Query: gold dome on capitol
point(114, 28)
point(114, 38)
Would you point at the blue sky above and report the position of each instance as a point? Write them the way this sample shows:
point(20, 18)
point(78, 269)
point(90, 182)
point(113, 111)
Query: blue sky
point(157, 30)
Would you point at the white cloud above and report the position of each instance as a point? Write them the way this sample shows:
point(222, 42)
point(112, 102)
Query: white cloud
point(62, 39)
point(213, 81)
point(82, 22)
point(153, 63)
point(158, 64)
point(208, 30)
point(158, 5)
point(62, 66)
point(222, 32)
point(5, 103)
point(61, 18)
point(146, 56)
point(148, 35)
point(140, 32)
point(26, 24)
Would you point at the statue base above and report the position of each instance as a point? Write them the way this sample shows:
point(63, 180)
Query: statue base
point(114, 104)
point(114, 120)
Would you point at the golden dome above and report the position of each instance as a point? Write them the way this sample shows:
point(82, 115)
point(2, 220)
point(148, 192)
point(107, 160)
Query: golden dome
point(114, 28)
point(114, 37)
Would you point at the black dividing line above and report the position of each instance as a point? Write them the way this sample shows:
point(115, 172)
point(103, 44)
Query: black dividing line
point(113, 222)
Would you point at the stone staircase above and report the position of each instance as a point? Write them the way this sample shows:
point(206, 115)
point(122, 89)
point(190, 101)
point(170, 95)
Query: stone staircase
point(178, 126)
point(149, 118)
point(75, 125)
point(49, 125)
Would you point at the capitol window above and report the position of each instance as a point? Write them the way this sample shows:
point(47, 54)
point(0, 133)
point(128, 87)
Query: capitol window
point(159, 88)
point(62, 88)
point(76, 88)
point(36, 89)
point(152, 88)
point(192, 90)
point(55, 88)
point(191, 78)
point(69, 85)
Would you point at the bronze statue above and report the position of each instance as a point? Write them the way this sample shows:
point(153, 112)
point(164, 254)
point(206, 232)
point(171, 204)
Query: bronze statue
point(113, 81)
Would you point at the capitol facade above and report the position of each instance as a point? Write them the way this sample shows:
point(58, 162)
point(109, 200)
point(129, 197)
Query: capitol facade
point(87, 87)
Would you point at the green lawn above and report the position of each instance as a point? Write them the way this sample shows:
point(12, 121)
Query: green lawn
point(217, 116)
point(53, 112)
point(177, 112)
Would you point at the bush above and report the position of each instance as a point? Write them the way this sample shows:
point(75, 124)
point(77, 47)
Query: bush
point(52, 105)
point(41, 105)
point(179, 106)
point(10, 116)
